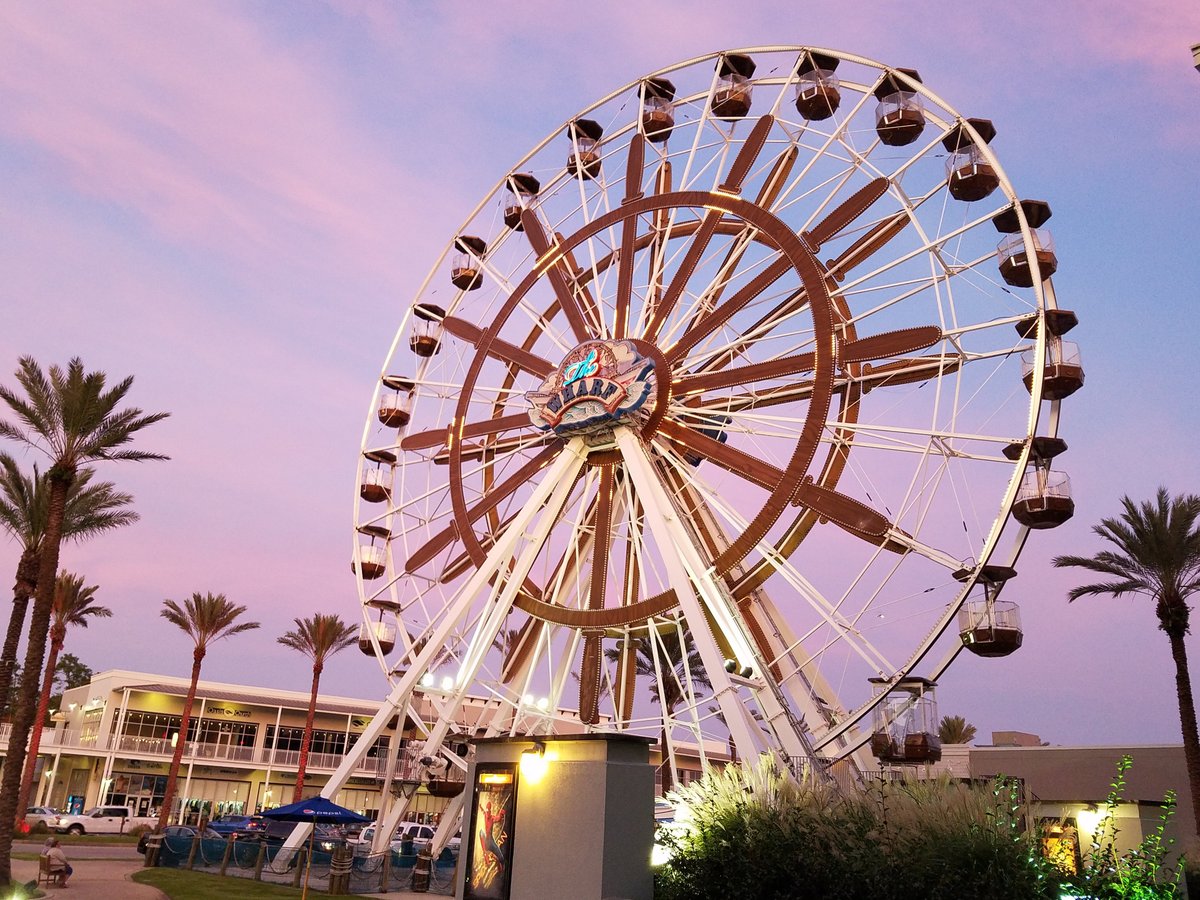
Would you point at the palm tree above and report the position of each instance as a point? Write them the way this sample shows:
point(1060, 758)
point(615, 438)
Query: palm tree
point(206, 618)
point(1156, 552)
point(74, 604)
point(71, 417)
point(677, 657)
point(956, 730)
point(318, 638)
point(24, 506)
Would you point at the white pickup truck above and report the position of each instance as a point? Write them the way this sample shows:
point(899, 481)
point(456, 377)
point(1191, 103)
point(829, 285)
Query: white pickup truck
point(101, 820)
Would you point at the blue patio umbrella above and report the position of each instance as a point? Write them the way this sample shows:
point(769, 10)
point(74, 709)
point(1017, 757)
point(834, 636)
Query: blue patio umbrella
point(317, 810)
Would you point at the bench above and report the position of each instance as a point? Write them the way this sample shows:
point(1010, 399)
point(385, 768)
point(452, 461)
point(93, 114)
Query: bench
point(44, 873)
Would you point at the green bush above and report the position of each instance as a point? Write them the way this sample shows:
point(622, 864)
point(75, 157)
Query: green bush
point(754, 833)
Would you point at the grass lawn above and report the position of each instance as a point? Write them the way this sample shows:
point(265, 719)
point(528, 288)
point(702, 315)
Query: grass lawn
point(179, 884)
point(81, 839)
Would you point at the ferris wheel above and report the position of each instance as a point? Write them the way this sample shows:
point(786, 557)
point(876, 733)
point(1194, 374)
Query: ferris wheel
point(723, 418)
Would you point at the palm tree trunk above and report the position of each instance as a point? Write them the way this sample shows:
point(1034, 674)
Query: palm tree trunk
point(1187, 718)
point(306, 741)
point(180, 743)
point(35, 652)
point(35, 737)
point(27, 570)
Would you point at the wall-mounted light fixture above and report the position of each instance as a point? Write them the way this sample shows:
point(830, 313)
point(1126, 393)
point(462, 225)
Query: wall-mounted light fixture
point(534, 763)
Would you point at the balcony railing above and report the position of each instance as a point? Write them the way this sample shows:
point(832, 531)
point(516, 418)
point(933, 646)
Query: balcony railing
point(232, 753)
point(197, 750)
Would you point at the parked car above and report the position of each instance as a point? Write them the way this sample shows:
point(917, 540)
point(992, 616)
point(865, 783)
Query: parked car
point(229, 824)
point(327, 838)
point(179, 831)
point(43, 815)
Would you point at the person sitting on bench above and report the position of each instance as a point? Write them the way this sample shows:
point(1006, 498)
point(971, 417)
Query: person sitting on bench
point(57, 861)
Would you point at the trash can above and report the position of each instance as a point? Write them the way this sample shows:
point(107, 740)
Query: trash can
point(422, 869)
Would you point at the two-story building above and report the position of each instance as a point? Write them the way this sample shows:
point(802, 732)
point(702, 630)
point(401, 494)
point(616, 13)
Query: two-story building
point(113, 739)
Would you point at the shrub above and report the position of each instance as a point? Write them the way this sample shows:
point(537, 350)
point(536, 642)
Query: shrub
point(754, 833)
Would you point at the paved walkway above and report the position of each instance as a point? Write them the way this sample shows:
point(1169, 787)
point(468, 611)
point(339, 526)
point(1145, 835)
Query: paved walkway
point(95, 879)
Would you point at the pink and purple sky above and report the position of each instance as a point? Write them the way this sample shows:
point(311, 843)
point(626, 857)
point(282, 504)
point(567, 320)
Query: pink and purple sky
point(235, 201)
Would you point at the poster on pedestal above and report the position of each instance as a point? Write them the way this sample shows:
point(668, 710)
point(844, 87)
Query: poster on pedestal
point(489, 857)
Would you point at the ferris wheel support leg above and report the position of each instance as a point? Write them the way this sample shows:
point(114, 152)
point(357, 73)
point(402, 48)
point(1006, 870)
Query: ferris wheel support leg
point(548, 500)
point(557, 484)
point(687, 575)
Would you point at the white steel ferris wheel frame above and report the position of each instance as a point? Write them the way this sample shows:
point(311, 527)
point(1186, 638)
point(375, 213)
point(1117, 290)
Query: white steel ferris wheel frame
point(799, 715)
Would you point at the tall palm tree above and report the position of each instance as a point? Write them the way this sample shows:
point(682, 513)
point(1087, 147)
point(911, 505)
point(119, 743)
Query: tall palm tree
point(74, 604)
point(69, 415)
point(1155, 551)
point(677, 657)
point(956, 730)
point(24, 508)
point(205, 618)
point(317, 637)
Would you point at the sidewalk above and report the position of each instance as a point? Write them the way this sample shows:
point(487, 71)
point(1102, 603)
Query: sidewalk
point(94, 879)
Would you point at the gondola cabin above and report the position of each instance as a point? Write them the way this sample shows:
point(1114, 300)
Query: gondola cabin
point(395, 402)
point(900, 113)
point(523, 188)
point(376, 483)
point(990, 628)
point(584, 158)
point(426, 337)
point(905, 722)
point(732, 96)
point(465, 272)
point(1063, 372)
point(818, 91)
point(970, 176)
point(1044, 499)
point(383, 632)
point(658, 109)
point(1020, 264)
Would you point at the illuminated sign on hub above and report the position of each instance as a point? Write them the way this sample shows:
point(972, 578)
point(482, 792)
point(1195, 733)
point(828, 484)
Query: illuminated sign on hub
point(599, 385)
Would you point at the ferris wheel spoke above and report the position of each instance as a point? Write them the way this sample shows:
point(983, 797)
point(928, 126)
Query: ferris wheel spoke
point(874, 347)
point(742, 464)
point(708, 227)
point(497, 347)
point(438, 437)
point(498, 494)
point(633, 191)
point(845, 213)
point(830, 226)
point(742, 242)
point(551, 260)
point(868, 244)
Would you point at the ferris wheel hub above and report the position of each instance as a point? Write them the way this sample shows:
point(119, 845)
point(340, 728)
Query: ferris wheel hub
point(600, 385)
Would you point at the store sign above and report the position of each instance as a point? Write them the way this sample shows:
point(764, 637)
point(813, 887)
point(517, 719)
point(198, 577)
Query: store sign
point(227, 711)
point(599, 384)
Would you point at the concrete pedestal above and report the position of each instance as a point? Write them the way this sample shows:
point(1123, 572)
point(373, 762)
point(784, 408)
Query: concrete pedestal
point(584, 830)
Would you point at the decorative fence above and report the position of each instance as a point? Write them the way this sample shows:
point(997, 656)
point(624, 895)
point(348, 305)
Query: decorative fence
point(265, 861)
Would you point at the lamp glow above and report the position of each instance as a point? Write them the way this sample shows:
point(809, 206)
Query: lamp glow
point(534, 763)
point(427, 680)
point(1089, 819)
point(447, 683)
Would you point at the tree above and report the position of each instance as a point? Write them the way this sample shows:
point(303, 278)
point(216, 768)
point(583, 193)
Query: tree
point(69, 415)
point(317, 637)
point(1155, 551)
point(74, 604)
point(955, 730)
point(24, 508)
point(676, 657)
point(205, 618)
